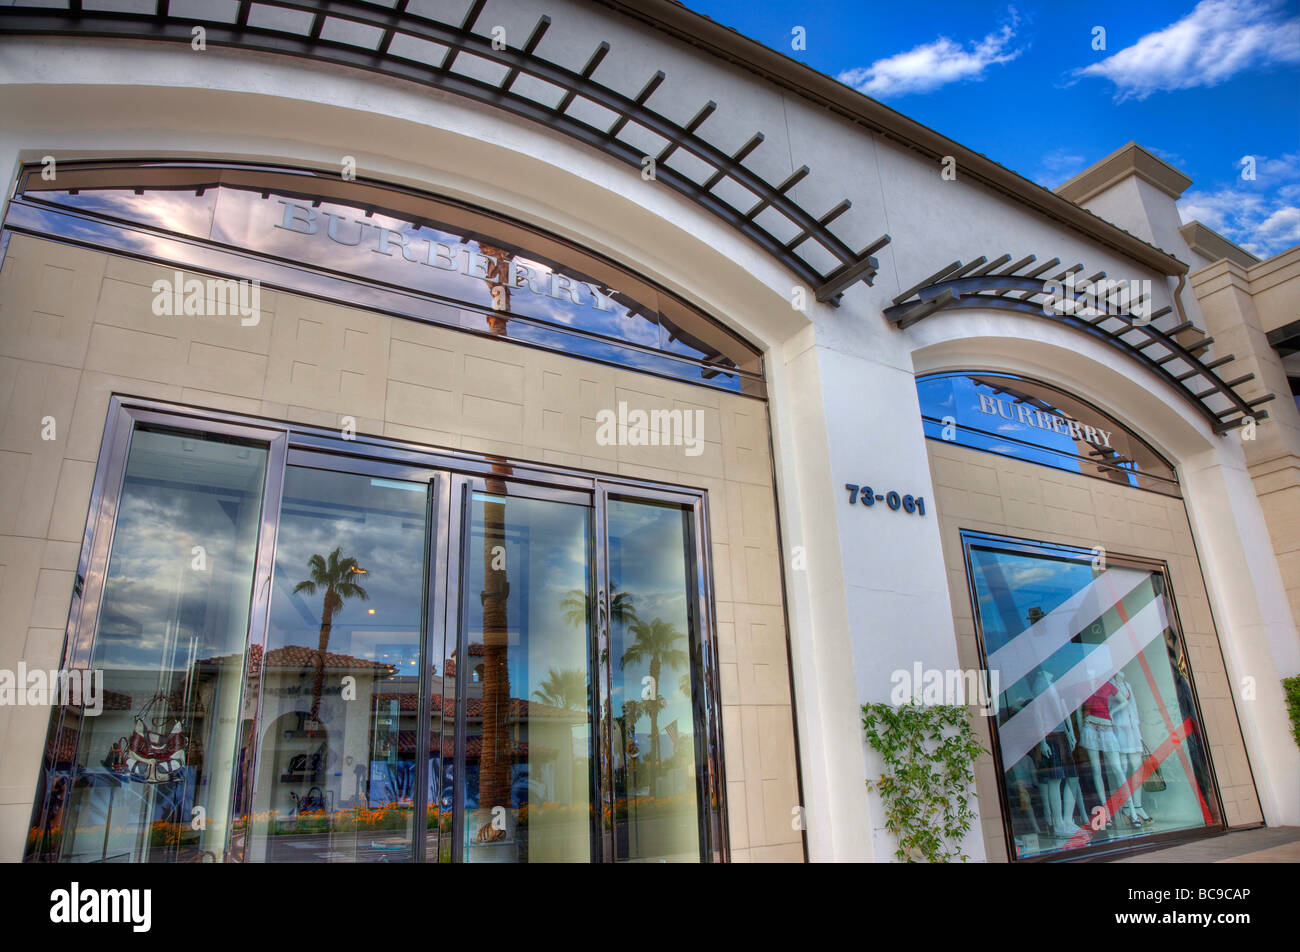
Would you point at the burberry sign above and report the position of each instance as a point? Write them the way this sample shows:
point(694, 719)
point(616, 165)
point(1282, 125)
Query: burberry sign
point(452, 257)
point(1018, 412)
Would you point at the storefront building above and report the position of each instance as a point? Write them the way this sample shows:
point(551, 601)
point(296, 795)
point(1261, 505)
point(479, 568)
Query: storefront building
point(528, 432)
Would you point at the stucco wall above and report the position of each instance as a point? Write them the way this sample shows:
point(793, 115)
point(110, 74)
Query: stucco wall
point(1241, 305)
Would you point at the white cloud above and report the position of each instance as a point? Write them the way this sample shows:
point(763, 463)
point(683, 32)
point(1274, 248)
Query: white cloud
point(1173, 158)
point(1280, 228)
point(1262, 216)
point(927, 67)
point(1059, 165)
point(1213, 43)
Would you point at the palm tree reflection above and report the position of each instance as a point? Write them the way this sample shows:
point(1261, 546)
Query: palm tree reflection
point(566, 689)
point(654, 642)
point(337, 575)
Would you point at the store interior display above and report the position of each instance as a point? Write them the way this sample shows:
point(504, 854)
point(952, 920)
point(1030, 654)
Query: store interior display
point(1096, 727)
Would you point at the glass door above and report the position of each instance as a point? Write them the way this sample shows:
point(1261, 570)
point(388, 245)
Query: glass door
point(315, 652)
point(518, 687)
point(658, 720)
point(338, 767)
point(161, 611)
point(656, 806)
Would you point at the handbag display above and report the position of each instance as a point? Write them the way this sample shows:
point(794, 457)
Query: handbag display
point(1156, 782)
point(150, 756)
point(312, 802)
point(306, 766)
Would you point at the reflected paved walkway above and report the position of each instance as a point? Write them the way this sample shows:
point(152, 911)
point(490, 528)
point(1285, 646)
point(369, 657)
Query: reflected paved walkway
point(1277, 844)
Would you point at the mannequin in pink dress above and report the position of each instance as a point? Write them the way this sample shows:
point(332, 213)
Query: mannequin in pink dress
point(1098, 738)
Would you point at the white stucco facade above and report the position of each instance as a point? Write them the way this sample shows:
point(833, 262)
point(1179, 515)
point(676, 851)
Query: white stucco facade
point(861, 602)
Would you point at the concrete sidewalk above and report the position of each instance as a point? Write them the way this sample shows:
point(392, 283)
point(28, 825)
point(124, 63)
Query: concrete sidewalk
point(1277, 844)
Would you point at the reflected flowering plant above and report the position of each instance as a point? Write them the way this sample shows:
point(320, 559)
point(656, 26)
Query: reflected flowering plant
point(389, 816)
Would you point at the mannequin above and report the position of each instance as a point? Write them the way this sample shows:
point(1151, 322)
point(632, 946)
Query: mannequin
point(1021, 775)
point(1099, 739)
point(1128, 737)
point(1080, 818)
point(1054, 763)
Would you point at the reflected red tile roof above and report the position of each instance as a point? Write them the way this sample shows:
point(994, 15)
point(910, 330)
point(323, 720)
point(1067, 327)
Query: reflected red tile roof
point(520, 709)
point(116, 701)
point(473, 747)
point(63, 746)
point(299, 656)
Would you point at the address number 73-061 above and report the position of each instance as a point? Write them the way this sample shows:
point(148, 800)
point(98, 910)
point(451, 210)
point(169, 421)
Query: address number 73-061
point(867, 496)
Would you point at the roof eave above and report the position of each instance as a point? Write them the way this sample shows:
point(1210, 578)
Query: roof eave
point(697, 30)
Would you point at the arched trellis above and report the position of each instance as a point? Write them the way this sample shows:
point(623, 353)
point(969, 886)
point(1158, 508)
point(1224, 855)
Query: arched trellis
point(1116, 312)
point(389, 39)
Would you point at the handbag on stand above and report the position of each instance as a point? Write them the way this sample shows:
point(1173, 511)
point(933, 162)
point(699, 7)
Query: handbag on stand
point(1156, 782)
point(151, 756)
point(312, 802)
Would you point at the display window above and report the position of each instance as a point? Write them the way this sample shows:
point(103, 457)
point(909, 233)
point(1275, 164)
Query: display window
point(319, 650)
point(153, 775)
point(1097, 734)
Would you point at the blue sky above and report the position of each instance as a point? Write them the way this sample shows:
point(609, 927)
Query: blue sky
point(1202, 85)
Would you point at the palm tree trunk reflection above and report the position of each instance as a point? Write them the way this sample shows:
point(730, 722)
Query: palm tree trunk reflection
point(495, 755)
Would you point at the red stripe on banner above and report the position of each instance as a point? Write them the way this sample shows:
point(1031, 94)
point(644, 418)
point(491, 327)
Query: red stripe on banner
point(1169, 723)
point(1182, 754)
point(1121, 796)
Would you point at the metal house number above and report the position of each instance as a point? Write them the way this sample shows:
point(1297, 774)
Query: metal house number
point(867, 496)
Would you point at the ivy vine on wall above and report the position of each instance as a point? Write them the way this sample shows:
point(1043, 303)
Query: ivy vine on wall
point(929, 753)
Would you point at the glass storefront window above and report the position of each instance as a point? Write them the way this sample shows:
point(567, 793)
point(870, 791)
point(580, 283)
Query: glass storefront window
point(1039, 423)
point(420, 256)
point(527, 687)
point(656, 804)
point(1097, 729)
point(128, 784)
point(336, 764)
point(319, 653)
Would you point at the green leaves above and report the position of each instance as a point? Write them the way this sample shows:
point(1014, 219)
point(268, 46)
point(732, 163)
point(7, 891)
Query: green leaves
point(929, 755)
point(1291, 686)
point(656, 639)
point(566, 689)
point(338, 576)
